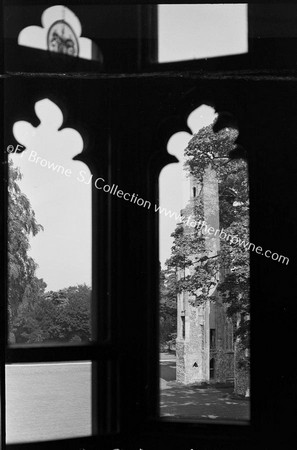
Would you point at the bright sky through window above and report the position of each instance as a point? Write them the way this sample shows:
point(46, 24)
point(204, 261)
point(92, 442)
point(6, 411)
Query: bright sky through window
point(61, 202)
point(202, 31)
point(60, 32)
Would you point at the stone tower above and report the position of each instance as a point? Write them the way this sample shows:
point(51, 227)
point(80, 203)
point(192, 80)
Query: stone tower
point(204, 344)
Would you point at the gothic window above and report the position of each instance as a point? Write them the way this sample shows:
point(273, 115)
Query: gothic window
point(129, 109)
point(49, 290)
point(204, 233)
point(61, 32)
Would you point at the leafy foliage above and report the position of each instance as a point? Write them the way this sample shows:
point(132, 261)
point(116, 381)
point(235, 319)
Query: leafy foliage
point(21, 224)
point(62, 316)
point(206, 267)
point(35, 315)
point(168, 290)
point(36, 323)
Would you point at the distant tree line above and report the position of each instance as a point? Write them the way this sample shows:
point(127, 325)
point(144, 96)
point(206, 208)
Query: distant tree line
point(62, 316)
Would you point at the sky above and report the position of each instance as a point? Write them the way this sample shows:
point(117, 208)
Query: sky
point(63, 203)
point(200, 31)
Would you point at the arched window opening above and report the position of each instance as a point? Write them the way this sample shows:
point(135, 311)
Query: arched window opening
point(204, 272)
point(49, 290)
point(61, 32)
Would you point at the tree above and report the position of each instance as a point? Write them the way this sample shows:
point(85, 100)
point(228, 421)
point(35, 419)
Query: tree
point(34, 315)
point(74, 316)
point(37, 322)
point(34, 291)
point(61, 316)
point(225, 271)
point(21, 224)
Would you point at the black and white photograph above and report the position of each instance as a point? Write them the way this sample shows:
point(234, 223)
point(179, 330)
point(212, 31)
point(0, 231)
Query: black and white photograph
point(148, 225)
